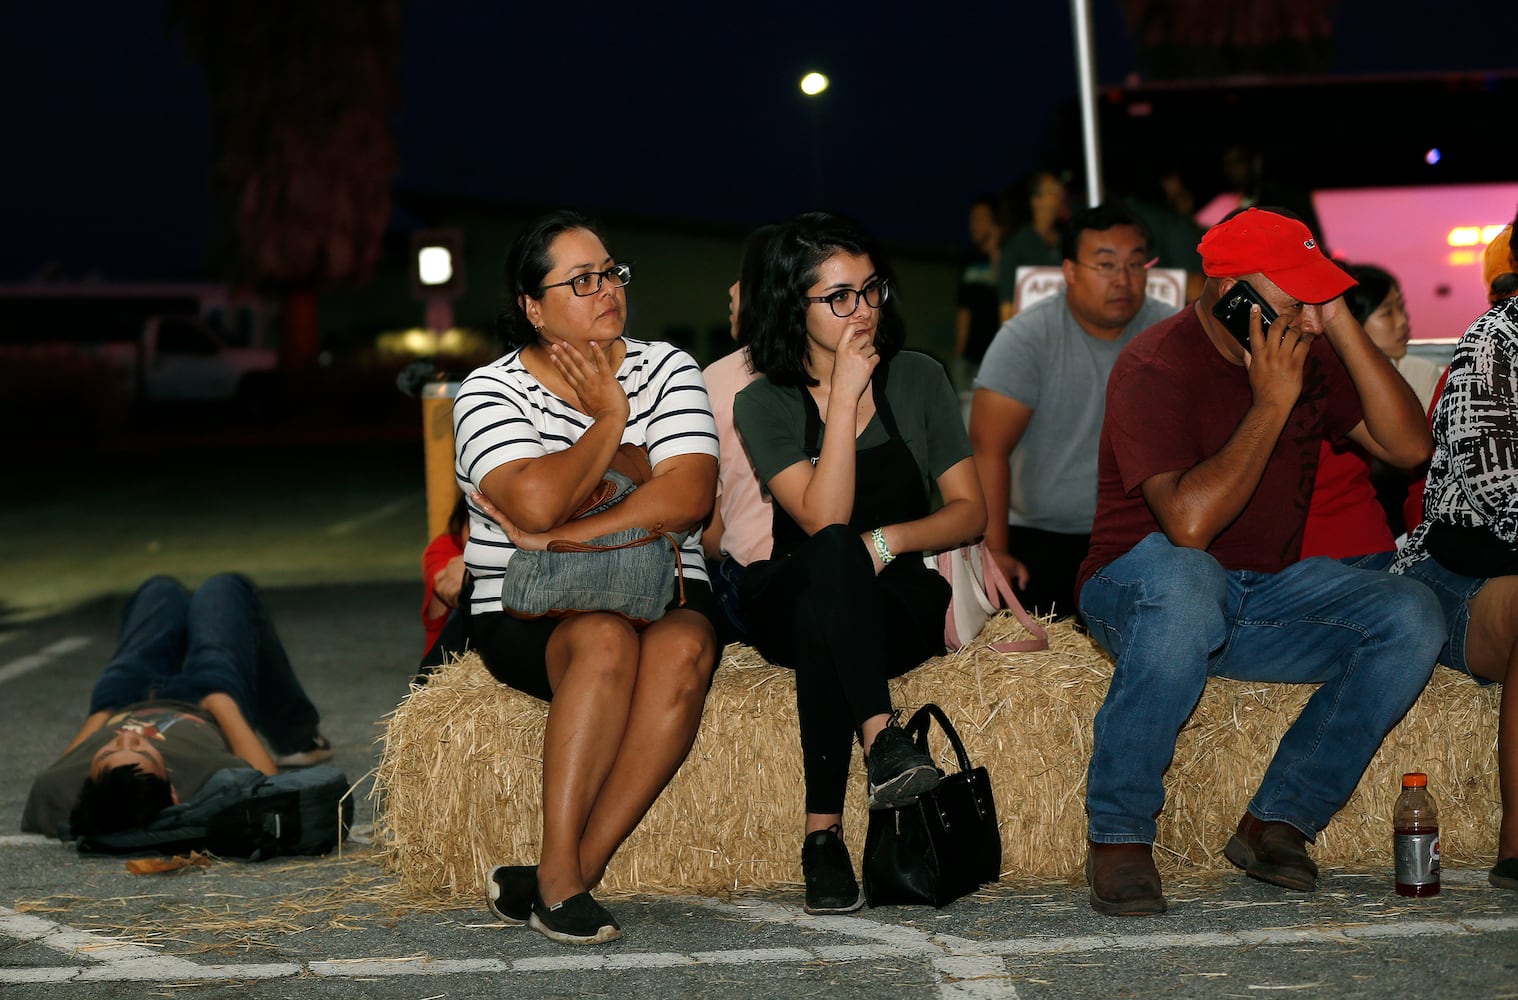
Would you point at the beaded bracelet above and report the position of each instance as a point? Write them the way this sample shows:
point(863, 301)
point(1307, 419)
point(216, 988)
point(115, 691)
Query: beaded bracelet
point(881, 548)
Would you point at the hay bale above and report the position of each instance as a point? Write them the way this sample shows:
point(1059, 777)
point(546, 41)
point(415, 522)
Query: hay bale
point(458, 782)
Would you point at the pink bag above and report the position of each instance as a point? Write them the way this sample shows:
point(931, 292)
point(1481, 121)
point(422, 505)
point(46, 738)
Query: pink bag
point(980, 590)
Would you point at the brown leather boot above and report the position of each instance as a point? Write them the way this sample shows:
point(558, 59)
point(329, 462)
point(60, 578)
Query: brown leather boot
point(1273, 852)
point(1123, 879)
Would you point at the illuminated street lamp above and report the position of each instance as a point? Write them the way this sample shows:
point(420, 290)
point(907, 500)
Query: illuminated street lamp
point(813, 84)
point(437, 274)
point(434, 266)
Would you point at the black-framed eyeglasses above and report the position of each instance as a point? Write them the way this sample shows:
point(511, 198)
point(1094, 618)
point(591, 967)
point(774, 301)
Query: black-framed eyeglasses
point(589, 283)
point(1110, 269)
point(845, 301)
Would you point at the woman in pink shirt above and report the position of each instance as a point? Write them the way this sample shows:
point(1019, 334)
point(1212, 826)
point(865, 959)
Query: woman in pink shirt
point(741, 528)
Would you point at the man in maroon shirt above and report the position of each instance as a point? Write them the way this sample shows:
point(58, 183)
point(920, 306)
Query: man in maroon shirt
point(1205, 469)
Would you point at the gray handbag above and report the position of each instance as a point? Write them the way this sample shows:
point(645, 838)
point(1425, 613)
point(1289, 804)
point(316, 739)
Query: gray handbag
point(633, 572)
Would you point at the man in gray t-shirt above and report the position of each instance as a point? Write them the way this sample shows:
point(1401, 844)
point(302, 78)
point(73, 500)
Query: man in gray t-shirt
point(1039, 401)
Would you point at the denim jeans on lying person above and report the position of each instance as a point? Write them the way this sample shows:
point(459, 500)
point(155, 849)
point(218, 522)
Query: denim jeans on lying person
point(179, 645)
point(1173, 617)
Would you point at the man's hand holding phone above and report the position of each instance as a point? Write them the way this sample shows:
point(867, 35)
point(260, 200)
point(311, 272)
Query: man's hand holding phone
point(1274, 362)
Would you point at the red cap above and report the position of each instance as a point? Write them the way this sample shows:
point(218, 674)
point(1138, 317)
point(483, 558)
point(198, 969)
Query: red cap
point(1414, 779)
point(1282, 249)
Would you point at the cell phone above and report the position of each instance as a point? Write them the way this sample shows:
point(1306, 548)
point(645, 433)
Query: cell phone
point(1232, 310)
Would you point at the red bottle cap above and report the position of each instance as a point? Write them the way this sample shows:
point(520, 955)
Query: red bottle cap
point(1415, 779)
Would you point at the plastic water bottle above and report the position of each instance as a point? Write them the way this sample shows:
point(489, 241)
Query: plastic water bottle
point(1415, 838)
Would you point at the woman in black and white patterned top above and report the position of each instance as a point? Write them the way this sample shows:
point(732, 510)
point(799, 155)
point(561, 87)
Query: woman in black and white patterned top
point(535, 432)
point(1466, 549)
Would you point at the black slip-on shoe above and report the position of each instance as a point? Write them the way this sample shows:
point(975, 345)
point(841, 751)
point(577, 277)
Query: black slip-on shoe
point(317, 751)
point(577, 920)
point(510, 890)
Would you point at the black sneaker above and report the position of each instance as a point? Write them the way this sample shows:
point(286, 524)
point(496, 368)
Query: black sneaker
point(315, 752)
point(898, 772)
point(577, 920)
point(510, 890)
point(829, 874)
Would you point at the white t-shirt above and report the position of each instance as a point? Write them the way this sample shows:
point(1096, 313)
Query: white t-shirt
point(502, 414)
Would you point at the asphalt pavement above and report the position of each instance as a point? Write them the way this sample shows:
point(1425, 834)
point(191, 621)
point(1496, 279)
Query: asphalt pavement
point(333, 534)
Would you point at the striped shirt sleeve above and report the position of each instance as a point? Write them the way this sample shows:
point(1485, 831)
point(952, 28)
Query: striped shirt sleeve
point(493, 423)
point(671, 413)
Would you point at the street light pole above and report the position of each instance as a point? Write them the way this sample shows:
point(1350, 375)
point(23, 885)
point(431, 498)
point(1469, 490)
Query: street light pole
point(1085, 69)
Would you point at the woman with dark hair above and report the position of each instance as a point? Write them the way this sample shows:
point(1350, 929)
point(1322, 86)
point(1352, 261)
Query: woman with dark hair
point(738, 532)
point(1378, 304)
point(536, 430)
point(849, 435)
point(1348, 516)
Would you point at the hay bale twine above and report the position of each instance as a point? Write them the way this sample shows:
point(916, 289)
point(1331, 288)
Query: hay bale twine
point(458, 785)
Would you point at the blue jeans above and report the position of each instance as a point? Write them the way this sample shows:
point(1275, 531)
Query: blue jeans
point(1454, 591)
point(1174, 617)
point(182, 646)
point(725, 575)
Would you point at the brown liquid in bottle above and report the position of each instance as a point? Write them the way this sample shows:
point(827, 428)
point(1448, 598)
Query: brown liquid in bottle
point(1415, 838)
point(1425, 888)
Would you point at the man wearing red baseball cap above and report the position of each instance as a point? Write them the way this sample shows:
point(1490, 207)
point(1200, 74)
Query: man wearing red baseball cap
point(1206, 464)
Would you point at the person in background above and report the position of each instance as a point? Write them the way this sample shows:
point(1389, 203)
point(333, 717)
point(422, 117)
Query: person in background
point(1498, 272)
point(1036, 415)
point(978, 315)
point(739, 530)
point(852, 437)
point(1349, 516)
point(1245, 171)
point(443, 578)
point(1040, 199)
point(1378, 296)
point(535, 431)
point(194, 679)
point(1164, 203)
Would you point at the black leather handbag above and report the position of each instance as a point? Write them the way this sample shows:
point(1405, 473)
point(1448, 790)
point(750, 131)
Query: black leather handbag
point(940, 847)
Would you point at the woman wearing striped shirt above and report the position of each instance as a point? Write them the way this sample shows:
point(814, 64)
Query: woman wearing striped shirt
point(535, 432)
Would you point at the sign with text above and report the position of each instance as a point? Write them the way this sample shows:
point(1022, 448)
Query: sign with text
point(1168, 284)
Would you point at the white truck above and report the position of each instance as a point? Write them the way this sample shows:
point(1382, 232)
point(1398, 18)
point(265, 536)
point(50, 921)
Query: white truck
point(179, 359)
point(173, 343)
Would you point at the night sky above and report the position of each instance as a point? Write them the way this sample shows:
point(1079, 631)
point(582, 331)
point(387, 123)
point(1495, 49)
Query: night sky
point(691, 114)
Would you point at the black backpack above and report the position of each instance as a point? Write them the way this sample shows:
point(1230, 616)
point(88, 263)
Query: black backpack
point(242, 813)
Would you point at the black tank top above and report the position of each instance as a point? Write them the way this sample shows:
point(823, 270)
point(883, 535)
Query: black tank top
point(887, 481)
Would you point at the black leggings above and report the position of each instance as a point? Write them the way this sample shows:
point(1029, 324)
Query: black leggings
point(823, 612)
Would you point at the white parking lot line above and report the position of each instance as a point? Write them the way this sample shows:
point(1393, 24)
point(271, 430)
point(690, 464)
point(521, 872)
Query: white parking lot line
point(41, 658)
point(377, 514)
point(966, 970)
